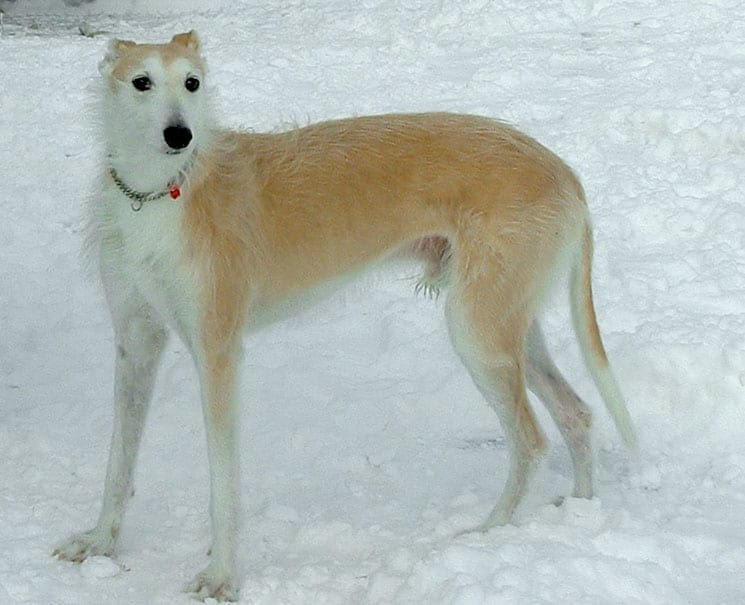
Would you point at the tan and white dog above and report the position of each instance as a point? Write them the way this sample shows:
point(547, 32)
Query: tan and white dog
point(214, 232)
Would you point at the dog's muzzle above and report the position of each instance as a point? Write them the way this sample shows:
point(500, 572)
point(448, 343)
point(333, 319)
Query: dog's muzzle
point(177, 137)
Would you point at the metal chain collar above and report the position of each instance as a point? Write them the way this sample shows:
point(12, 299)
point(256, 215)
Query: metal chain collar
point(138, 198)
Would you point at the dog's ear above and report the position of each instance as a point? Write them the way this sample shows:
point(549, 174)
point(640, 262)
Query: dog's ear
point(116, 49)
point(189, 40)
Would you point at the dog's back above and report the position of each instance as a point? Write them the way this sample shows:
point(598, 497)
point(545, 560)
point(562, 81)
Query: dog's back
point(332, 198)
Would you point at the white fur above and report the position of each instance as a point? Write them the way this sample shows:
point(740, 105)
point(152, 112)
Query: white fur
point(134, 122)
point(149, 287)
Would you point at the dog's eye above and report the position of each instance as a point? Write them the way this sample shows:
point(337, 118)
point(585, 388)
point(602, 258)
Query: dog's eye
point(191, 84)
point(142, 83)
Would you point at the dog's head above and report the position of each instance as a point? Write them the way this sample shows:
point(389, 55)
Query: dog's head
point(155, 106)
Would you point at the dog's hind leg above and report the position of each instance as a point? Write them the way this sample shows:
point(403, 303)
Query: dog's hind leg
point(140, 340)
point(570, 413)
point(491, 344)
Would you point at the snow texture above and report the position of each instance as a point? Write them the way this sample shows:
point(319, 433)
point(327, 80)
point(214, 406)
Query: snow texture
point(366, 450)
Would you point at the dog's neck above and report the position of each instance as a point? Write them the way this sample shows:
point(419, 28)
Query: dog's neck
point(146, 182)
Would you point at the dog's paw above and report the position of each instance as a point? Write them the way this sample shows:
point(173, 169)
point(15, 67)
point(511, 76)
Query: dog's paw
point(209, 585)
point(87, 544)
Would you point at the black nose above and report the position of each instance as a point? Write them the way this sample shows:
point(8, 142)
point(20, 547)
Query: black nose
point(177, 137)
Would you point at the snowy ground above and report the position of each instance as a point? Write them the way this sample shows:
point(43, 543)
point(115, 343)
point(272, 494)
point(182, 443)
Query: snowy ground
point(365, 448)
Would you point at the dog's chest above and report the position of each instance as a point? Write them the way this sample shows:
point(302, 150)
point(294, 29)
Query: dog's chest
point(153, 259)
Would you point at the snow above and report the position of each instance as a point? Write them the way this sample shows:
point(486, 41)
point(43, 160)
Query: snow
point(366, 450)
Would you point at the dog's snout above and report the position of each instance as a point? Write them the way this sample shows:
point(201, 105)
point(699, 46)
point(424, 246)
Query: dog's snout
point(177, 137)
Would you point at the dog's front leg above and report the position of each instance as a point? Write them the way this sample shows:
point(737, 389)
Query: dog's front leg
point(140, 340)
point(218, 368)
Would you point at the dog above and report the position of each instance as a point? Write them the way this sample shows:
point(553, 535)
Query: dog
point(213, 233)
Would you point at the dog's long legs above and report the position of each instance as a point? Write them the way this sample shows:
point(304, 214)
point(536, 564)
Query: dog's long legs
point(140, 340)
point(569, 412)
point(218, 375)
point(492, 350)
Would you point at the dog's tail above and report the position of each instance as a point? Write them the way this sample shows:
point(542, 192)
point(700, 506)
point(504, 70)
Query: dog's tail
point(588, 334)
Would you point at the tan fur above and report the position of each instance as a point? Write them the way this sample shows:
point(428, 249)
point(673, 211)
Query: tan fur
point(283, 213)
point(595, 340)
point(127, 54)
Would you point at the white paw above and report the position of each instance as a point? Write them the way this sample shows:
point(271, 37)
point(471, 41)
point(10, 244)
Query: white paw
point(210, 585)
point(87, 544)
